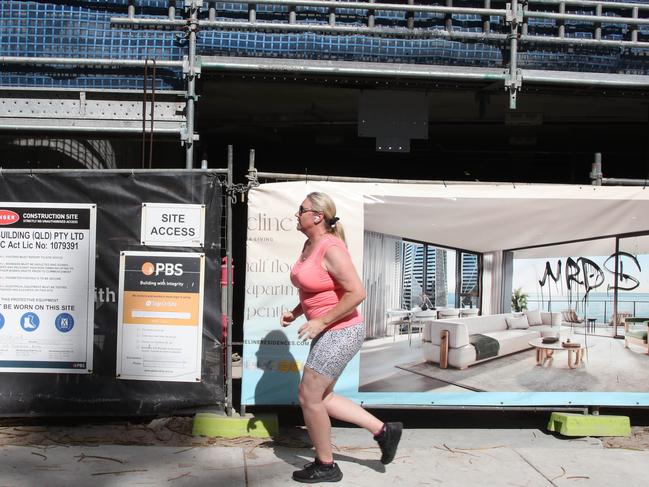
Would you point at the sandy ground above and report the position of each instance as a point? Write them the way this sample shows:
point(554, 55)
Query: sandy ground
point(177, 431)
point(174, 431)
point(639, 439)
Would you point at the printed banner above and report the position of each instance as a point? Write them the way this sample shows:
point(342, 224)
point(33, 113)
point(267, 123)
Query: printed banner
point(160, 316)
point(47, 276)
point(479, 295)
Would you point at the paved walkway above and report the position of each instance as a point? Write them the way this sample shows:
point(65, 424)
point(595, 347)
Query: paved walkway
point(448, 457)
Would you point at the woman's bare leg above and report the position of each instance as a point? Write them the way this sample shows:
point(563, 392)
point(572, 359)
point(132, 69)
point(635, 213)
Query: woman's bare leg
point(341, 408)
point(310, 393)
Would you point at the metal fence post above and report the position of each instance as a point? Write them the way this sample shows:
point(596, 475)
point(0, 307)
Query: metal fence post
point(596, 172)
point(228, 253)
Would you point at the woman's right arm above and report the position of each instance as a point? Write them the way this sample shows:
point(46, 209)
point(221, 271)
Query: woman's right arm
point(289, 317)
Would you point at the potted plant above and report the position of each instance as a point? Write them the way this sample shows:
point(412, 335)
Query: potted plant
point(519, 300)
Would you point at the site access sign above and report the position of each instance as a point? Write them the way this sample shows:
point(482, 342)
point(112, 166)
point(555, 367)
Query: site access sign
point(169, 225)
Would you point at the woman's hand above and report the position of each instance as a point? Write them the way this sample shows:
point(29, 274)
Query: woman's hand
point(311, 329)
point(287, 318)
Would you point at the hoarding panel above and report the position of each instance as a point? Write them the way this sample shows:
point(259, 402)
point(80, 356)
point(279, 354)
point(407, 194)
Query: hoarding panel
point(496, 222)
point(118, 197)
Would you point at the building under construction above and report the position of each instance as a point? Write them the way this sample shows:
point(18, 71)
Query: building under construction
point(436, 89)
point(163, 94)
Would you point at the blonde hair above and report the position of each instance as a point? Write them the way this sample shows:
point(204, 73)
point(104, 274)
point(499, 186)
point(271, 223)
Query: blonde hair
point(323, 202)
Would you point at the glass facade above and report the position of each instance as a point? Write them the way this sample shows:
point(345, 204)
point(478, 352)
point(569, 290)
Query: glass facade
point(447, 277)
point(598, 279)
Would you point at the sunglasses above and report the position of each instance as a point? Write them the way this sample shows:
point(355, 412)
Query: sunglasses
point(302, 210)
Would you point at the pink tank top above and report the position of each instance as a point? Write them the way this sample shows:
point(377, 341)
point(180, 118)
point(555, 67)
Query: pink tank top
point(319, 292)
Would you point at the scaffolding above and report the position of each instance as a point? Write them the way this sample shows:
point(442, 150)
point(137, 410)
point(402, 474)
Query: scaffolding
point(503, 34)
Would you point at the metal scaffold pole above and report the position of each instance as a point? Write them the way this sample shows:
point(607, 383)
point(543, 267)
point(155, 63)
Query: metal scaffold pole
point(596, 173)
point(597, 176)
point(515, 18)
point(228, 253)
point(191, 73)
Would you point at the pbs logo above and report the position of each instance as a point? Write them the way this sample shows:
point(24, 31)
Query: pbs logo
point(164, 268)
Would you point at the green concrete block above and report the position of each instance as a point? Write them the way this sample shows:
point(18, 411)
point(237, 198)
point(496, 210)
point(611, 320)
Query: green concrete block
point(572, 424)
point(235, 426)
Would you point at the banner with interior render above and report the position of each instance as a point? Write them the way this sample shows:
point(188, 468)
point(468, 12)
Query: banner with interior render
point(118, 200)
point(477, 295)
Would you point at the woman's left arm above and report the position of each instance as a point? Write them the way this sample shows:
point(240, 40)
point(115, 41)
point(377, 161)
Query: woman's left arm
point(341, 268)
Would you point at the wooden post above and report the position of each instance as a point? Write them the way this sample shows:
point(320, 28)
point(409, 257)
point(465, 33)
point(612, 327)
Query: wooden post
point(443, 349)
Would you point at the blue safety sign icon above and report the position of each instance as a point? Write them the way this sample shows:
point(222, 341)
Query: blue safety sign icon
point(29, 321)
point(64, 322)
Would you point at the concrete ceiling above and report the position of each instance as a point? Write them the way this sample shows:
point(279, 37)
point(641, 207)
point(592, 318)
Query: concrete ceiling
point(311, 125)
point(485, 218)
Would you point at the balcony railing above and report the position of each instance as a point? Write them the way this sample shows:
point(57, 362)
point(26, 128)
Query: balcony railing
point(599, 309)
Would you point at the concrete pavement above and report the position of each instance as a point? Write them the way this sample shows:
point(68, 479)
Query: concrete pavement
point(449, 457)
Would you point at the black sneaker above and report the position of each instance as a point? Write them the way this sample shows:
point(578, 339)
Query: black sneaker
point(388, 440)
point(315, 472)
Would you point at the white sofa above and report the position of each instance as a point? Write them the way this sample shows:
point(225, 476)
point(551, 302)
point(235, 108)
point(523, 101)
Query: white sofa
point(447, 341)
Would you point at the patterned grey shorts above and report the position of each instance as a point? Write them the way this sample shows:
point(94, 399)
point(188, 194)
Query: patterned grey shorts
point(332, 350)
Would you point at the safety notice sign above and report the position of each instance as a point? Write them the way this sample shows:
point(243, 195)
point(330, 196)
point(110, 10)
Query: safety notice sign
point(160, 317)
point(47, 275)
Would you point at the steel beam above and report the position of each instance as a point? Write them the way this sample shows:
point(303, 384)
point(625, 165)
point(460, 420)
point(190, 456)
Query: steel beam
point(53, 125)
point(81, 111)
point(72, 61)
point(398, 71)
point(350, 68)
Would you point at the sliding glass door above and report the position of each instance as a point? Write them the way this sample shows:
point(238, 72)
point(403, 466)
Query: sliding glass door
point(576, 278)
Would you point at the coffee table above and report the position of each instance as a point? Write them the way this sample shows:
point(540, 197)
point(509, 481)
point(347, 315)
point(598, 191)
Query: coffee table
point(544, 351)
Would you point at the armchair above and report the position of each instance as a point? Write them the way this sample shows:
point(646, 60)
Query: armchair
point(635, 332)
point(620, 316)
point(569, 317)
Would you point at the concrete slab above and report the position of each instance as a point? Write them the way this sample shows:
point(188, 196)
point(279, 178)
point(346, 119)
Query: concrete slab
point(448, 457)
point(466, 438)
point(593, 468)
point(411, 467)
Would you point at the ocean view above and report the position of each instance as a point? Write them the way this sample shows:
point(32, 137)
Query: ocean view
point(598, 305)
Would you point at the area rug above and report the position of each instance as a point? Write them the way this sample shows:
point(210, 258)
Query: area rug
point(608, 368)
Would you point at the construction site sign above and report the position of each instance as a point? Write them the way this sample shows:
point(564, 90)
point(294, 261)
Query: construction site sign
point(47, 269)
